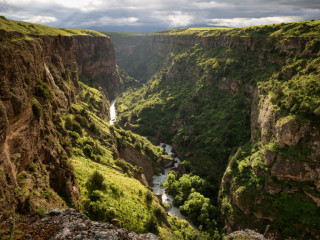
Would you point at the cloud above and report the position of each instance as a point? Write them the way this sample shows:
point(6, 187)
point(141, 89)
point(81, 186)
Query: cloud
point(41, 19)
point(244, 22)
point(158, 14)
point(178, 19)
point(109, 21)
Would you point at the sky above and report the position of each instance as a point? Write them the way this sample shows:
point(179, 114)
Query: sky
point(155, 15)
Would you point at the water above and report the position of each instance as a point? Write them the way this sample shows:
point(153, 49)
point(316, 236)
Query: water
point(158, 189)
point(113, 115)
point(160, 179)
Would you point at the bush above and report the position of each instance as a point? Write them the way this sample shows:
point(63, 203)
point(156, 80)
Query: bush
point(77, 128)
point(87, 150)
point(82, 121)
point(94, 129)
point(122, 164)
point(149, 197)
point(95, 181)
point(98, 211)
point(160, 215)
point(68, 123)
point(151, 225)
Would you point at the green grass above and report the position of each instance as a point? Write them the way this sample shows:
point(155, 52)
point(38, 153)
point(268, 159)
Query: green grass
point(126, 196)
point(38, 29)
point(294, 29)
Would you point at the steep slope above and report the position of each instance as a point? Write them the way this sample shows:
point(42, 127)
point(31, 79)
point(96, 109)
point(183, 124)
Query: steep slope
point(39, 82)
point(214, 90)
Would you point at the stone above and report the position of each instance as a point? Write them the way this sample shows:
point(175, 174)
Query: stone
point(269, 157)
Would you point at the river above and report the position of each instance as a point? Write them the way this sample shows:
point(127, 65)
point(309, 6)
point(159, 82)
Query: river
point(158, 180)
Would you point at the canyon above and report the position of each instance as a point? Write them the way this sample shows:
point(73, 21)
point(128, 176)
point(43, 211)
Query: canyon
point(243, 102)
point(240, 108)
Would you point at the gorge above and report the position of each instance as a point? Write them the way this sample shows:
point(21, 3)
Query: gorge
point(228, 101)
point(240, 108)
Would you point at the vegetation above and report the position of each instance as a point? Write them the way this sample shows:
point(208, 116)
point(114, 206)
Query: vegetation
point(198, 98)
point(108, 187)
point(180, 110)
point(288, 209)
point(38, 29)
point(189, 193)
point(294, 29)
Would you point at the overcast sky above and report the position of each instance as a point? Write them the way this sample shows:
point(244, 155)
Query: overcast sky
point(153, 15)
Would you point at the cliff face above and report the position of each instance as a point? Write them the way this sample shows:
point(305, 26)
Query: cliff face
point(206, 84)
point(93, 63)
point(38, 84)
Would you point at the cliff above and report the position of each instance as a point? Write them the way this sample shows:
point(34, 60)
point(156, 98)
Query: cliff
point(214, 90)
point(38, 83)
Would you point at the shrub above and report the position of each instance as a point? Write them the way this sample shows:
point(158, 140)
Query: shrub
point(94, 129)
point(149, 197)
point(77, 128)
point(122, 164)
point(160, 215)
point(82, 121)
point(98, 211)
point(95, 181)
point(68, 123)
point(151, 225)
point(87, 150)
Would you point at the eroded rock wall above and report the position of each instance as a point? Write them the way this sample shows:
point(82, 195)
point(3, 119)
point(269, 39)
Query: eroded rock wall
point(38, 83)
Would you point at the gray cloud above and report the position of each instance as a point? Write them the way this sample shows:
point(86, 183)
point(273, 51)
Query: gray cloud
point(146, 15)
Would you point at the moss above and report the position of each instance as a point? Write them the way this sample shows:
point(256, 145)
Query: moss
point(36, 108)
point(42, 90)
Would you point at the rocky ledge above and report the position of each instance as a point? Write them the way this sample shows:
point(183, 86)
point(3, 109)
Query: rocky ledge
point(66, 224)
point(245, 234)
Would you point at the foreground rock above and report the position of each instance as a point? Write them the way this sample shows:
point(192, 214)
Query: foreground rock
point(245, 234)
point(67, 224)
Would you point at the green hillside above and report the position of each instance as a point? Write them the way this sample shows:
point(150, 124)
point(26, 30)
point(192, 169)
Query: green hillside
point(209, 91)
point(33, 28)
point(294, 29)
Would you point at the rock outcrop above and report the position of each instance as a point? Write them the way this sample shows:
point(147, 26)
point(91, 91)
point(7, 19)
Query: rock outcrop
point(65, 224)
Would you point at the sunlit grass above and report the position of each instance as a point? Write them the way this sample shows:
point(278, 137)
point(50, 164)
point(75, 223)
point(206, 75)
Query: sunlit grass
point(126, 196)
point(39, 29)
point(299, 29)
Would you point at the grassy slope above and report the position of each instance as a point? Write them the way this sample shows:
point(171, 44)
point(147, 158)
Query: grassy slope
point(295, 29)
point(32, 28)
